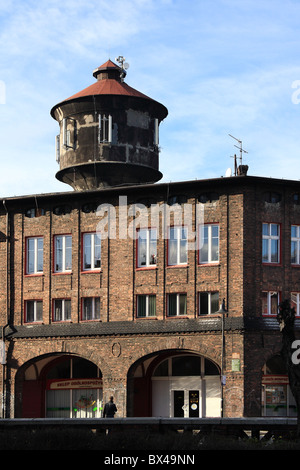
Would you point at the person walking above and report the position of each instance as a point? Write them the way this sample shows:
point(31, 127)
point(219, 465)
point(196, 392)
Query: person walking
point(109, 409)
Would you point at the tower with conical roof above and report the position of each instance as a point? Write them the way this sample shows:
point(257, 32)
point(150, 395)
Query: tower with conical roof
point(108, 134)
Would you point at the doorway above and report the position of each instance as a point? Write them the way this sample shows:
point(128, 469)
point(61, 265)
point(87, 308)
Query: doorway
point(186, 404)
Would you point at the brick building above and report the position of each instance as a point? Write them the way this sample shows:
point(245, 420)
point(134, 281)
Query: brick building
point(163, 295)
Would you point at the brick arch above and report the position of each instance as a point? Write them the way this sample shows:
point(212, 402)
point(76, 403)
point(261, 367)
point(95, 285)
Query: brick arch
point(38, 386)
point(135, 409)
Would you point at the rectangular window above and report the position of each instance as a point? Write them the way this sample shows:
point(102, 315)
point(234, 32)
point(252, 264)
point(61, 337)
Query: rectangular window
point(270, 243)
point(62, 253)
point(208, 302)
point(146, 306)
point(57, 148)
point(90, 308)
point(270, 303)
point(295, 244)
point(176, 305)
point(34, 260)
point(177, 246)
point(61, 310)
point(33, 311)
point(105, 129)
point(209, 243)
point(91, 251)
point(146, 247)
point(68, 133)
point(295, 302)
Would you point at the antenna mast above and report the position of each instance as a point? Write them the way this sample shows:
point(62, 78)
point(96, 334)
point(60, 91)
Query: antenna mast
point(240, 147)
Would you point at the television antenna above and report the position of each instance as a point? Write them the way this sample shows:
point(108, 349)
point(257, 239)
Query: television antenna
point(240, 147)
point(124, 66)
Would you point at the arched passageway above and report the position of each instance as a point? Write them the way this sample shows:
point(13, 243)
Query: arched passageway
point(174, 384)
point(60, 386)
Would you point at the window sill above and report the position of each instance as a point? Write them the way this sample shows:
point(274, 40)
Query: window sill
point(93, 320)
point(185, 265)
point(269, 315)
point(91, 271)
point(213, 263)
point(272, 264)
point(146, 268)
point(55, 273)
point(147, 318)
point(177, 316)
point(34, 275)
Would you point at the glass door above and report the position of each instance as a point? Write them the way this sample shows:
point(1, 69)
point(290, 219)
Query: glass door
point(186, 404)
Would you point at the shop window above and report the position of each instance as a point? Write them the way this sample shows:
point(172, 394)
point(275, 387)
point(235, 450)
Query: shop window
point(34, 255)
point(208, 243)
point(270, 243)
point(91, 251)
point(146, 306)
point(177, 246)
point(146, 248)
point(62, 253)
point(33, 311)
point(176, 305)
point(208, 302)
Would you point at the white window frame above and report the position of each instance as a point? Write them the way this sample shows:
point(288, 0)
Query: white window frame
point(62, 311)
point(270, 239)
point(295, 240)
point(209, 302)
point(104, 128)
point(147, 306)
point(178, 241)
point(150, 237)
point(93, 314)
point(270, 294)
point(64, 249)
point(92, 253)
point(178, 295)
point(295, 299)
point(36, 253)
point(57, 148)
point(66, 133)
point(35, 304)
point(209, 259)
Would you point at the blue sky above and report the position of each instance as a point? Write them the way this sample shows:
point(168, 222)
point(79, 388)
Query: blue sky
point(220, 67)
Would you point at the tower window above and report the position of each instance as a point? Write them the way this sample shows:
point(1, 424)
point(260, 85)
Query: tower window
point(68, 133)
point(105, 128)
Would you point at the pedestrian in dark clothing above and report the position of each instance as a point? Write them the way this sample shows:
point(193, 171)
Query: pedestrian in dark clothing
point(109, 409)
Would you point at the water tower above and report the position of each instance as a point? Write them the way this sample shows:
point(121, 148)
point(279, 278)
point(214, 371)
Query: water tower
point(109, 133)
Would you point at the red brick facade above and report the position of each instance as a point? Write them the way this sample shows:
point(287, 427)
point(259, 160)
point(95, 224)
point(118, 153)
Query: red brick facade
point(123, 346)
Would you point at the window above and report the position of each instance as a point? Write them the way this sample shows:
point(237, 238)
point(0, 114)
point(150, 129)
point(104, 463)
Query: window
point(61, 310)
point(208, 302)
point(209, 243)
point(270, 243)
point(270, 303)
point(68, 133)
point(295, 244)
point(295, 302)
point(146, 306)
point(177, 246)
point(62, 253)
point(33, 311)
point(105, 129)
point(34, 261)
point(90, 308)
point(176, 304)
point(91, 251)
point(146, 247)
